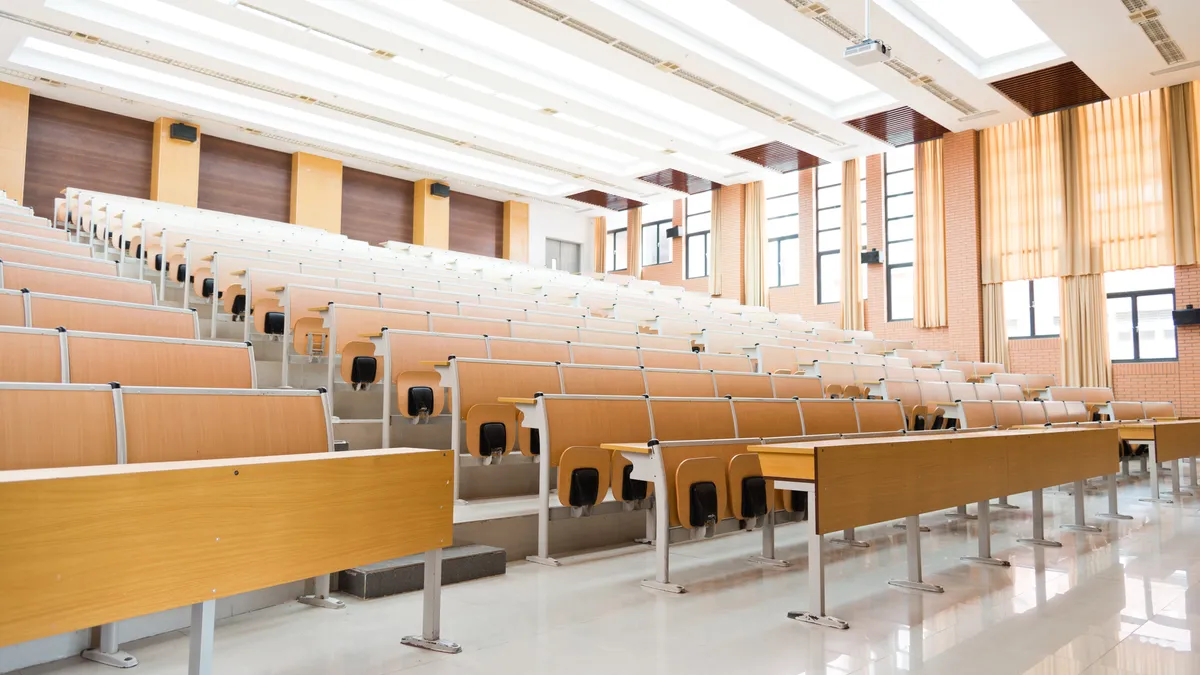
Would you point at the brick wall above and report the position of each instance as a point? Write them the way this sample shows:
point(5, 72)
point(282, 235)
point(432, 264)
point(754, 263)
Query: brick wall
point(1038, 355)
point(960, 162)
point(802, 299)
point(672, 273)
point(730, 265)
point(1187, 292)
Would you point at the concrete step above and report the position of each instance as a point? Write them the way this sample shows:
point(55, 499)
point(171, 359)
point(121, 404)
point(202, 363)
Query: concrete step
point(390, 577)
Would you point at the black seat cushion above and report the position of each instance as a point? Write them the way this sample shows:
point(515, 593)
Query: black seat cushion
point(420, 400)
point(585, 487)
point(799, 502)
point(754, 496)
point(493, 438)
point(181, 273)
point(206, 289)
point(703, 503)
point(239, 304)
point(535, 442)
point(158, 262)
point(632, 488)
point(273, 323)
point(362, 370)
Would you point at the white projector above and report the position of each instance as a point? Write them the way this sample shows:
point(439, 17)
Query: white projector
point(867, 52)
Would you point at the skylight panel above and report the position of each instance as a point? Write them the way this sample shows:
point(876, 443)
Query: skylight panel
point(990, 28)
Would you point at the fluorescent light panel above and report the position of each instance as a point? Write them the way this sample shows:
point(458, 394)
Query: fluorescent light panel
point(990, 28)
point(252, 112)
point(204, 35)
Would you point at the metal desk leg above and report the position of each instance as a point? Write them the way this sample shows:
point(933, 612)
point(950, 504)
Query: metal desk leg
point(1195, 480)
point(961, 513)
point(768, 544)
point(109, 653)
point(204, 624)
point(904, 525)
point(985, 539)
point(320, 595)
point(1113, 511)
point(1002, 503)
point(431, 624)
point(847, 539)
point(1039, 523)
point(913, 543)
point(1080, 524)
point(1176, 468)
point(1155, 490)
point(816, 575)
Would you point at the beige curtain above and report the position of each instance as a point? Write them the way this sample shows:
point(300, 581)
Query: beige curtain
point(1022, 217)
point(1183, 122)
point(600, 241)
point(755, 246)
point(1118, 185)
point(714, 244)
point(929, 267)
point(1084, 332)
point(633, 240)
point(995, 333)
point(852, 291)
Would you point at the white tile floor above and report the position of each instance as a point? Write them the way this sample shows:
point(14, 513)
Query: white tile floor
point(1124, 602)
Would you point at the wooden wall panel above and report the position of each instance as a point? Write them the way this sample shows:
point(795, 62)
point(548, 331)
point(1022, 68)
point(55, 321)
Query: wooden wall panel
point(74, 146)
point(476, 225)
point(376, 208)
point(244, 179)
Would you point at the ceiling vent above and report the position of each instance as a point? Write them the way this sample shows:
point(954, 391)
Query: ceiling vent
point(383, 54)
point(1150, 20)
point(674, 68)
point(52, 83)
point(84, 37)
point(305, 99)
point(18, 74)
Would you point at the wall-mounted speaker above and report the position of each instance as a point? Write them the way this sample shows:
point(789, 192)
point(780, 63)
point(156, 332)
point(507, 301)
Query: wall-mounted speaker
point(439, 190)
point(185, 132)
point(673, 233)
point(871, 257)
point(1186, 317)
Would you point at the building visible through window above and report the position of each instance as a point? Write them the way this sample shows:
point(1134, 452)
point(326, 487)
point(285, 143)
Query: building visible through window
point(783, 229)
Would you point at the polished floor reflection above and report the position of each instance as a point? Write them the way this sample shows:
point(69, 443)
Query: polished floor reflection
point(1122, 602)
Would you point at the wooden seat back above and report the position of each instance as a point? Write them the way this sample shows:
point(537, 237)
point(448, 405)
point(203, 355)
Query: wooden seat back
point(876, 416)
point(48, 244)
point(48, 426)
point(773, 358)
point(834, 373)
point(390, 301)
point(12, 308)
point(666, 342)
point(1056, 393)
point(1056, 412)
point(132, 360)
point(412, 350)
point(1158, 410)
point(678, 419)
point(951, 375)
point(31, 355)
point(963, 391)
point(1009, 392)
point(679, 360)
point(868, 374)
point(1077, 411)
point(607, 337)
point(486, 312)
point(985, 391)
point(103, 316)
point(589, 421)
point(870, 360)
point(1126, 411)
point(349, 323)
point(62, 261)
point(726, 362)
point(1017, 379)
point(17, 276)
point(985, 368)
point(27, 228)
point(1033, 412)
point(824, 416)
point(1008, 413)
point(662, 382)
point(602, 355)
point(1097, 394)
point(976, 414)
point(797, 386)
point(744, 385)
point(1035, 381)
point(583, 379)
point(542, 331)
point(907, 392)
point(463, 325)
point(933, 393)
point(767, 418)
point(899, 373)
point(927, 375)
point(512, 349)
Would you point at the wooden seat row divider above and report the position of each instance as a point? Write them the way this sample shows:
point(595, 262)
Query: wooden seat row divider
point(475, 387)
point(18, 225)
point(63, 261)
point(113, 424)
point(68, 356)
point(18, 276)
point(856, 482)
point(44, 310)
point(573, 432)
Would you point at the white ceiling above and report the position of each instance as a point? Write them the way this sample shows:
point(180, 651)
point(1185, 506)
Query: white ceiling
point(512, 99)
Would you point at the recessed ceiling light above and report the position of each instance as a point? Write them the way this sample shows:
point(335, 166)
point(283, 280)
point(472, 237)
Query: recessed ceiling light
point(990, 28)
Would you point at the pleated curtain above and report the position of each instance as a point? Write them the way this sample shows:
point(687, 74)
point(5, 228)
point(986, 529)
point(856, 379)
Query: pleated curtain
point(929, 266)
point(600, 242)
point(995, 332)
point(1084, 340)
point(852, 300)
point(755, 246)
point(1183, 123)
point(633, 240)
point(714, 244)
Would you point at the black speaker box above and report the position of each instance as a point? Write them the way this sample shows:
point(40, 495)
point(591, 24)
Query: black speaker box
point(184, 132)
point(439, 190)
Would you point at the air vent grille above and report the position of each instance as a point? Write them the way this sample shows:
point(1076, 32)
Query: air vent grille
point(589, 31)
point(1135, 5)
point(1170, 52)
point(1150, 20)
point(696, 79)
point(542, 9)
point(17, 73)
point(637, 53)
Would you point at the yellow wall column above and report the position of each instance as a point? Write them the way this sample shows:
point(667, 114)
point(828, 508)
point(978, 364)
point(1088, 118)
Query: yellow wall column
point(515, 244)
point(174, 167)
point(316, 192)
point(431, 216)
point(14, 130)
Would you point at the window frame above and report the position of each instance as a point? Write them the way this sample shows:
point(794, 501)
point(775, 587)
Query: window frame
point(1033, 334)
point(775, 244)
point(817, 187)
point(1137, 338)
point(887, 240)
point(689, 235)
point(658, 237)
point(612, 243)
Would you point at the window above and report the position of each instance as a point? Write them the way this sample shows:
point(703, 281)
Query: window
point(898, 213)
point(1140, 327)
point(698, 225)
point(616, 250)
point(862, 226)
point(656, 220)
point(829, 232)
point(783, 229)
point(562, 255)
point(1031, 308)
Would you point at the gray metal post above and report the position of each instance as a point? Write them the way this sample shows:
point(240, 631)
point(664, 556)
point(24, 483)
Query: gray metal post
point(204, 624)
point(1113, 511)
point(431, 622)
point(912, 536)
point(1039, 523)
point(1080, 524)
point(985, 538)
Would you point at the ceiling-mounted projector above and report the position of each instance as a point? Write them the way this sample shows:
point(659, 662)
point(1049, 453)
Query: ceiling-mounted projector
point(867, 52)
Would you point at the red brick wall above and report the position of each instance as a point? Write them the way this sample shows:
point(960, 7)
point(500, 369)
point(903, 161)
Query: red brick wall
point(1038, 355)
point(1187, 292)
point(960, 162)
point(802, 299)
point(731, 262)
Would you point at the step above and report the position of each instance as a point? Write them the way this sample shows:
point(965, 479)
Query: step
point(390, 577)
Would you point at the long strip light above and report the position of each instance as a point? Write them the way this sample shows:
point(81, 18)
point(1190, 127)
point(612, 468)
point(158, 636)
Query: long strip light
point(256, 113)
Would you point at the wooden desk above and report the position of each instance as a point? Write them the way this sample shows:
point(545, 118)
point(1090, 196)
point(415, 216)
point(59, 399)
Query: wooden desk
point(1169, 441)
point(158, 536)
point(860, 481)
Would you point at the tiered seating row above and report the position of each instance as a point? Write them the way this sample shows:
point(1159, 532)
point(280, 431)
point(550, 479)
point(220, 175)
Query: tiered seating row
point(43, 310)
